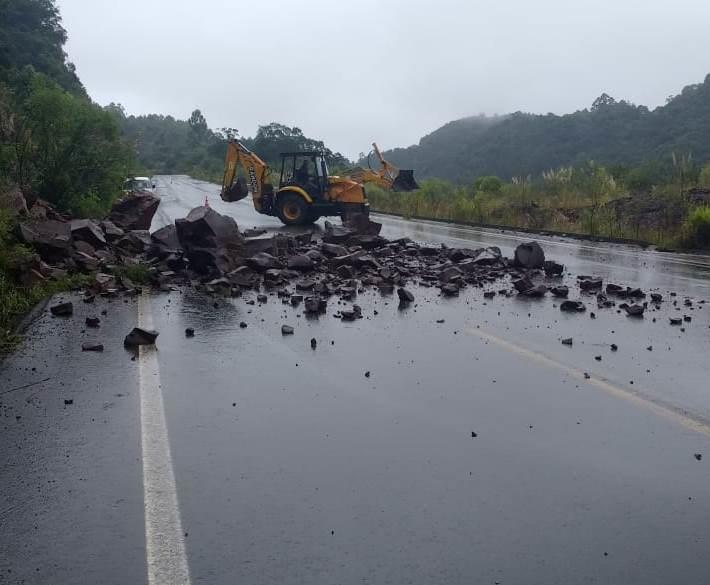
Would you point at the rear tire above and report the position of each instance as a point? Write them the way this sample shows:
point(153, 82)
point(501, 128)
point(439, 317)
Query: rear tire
point(292, 209)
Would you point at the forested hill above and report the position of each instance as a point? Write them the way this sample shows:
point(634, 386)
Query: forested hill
point(610, 132)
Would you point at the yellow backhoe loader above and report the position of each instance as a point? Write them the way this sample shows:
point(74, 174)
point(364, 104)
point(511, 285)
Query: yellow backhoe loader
point(306, 191)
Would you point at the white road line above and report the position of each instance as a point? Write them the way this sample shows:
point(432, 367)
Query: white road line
point(658, 407)
point(165, 542)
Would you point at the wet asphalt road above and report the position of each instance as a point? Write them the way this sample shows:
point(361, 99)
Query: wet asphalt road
point(291, 466)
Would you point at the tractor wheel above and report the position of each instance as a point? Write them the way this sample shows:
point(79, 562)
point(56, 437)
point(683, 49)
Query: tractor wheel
point(292, 209)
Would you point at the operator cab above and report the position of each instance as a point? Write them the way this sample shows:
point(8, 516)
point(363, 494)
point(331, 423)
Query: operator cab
point(307, 170)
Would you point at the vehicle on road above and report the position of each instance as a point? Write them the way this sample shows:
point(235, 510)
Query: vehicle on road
point(306, 190)
point(133, 184)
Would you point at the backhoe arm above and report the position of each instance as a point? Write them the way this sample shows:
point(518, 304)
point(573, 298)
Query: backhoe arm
point(388, 177)
point(255, 174)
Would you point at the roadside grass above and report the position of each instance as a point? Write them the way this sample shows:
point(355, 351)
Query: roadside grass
point(17, 300)
point(136, 273)
point(556, 208)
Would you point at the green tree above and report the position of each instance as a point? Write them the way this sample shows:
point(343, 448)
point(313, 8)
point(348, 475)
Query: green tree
point(61, 147)
point(489, 184)
point(31, 33)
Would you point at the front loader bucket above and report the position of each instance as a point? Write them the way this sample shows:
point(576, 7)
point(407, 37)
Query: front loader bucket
point(405, 181)
point(236, 192)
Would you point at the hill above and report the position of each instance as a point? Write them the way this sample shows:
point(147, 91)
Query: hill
point(610, 132)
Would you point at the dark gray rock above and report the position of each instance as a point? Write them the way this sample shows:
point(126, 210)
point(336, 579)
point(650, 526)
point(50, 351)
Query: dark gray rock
point(134, 211)
point(529, 255)
point(140, 336)
point(573, 307)
point(62, 309)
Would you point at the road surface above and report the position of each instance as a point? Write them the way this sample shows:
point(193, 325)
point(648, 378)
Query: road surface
point(476, 451)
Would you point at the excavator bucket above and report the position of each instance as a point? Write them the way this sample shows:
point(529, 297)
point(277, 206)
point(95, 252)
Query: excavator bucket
point(236, 192)
point(405, 181)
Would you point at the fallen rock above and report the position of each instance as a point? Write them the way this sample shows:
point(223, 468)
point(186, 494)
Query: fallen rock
point(529, 255)
point(561, 292)
point(189, 332)
point(62, 309)
point(263, 261)
point(553, 268)
point(93, 322)
point(286, 330)
point(405, 296)
point(523, 284)
point(51, 238)
point(535, 292)
point(590, 283)
point(333, 250)
point(211, 241)
point(165, 241)
point(567, 341)
point(134, 211)
point(634, 310)
point(92, 347)
point(89, 231)
point(572, 307)
point(140, 336)
point(335, 234)
point(301, 262)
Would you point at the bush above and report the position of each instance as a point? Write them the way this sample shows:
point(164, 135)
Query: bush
point(697, 227)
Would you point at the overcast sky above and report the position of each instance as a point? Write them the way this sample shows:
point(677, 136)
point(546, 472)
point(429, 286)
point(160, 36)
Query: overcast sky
point(353, 71)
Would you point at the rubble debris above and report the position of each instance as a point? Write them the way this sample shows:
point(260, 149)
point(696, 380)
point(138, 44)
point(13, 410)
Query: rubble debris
point(51, 238)
point(286, 330)
point(314, 343)
point(140, 336)
point(89, 231)
point(134, 211)
point(590, 283)
point(567, 341)
point(561, 292)
point(676, 321)
point(633, 310)
point(572, 307)
point(189, 332)
point(405, 296)
point(211, 241)
point(93, 322)
point(92, 347)
point(553, 268)
point(698, 456)
point(529, 255)
point(62, 309)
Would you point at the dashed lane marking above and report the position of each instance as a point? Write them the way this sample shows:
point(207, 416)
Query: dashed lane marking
point(165, 542)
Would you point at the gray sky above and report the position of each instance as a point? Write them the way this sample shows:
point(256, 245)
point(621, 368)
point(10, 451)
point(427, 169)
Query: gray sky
point(350, 72)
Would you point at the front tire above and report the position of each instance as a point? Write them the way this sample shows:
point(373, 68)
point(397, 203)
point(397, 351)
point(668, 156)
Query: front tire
point(292, 209)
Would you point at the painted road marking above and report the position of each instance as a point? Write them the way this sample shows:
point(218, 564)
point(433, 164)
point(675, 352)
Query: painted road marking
point(164, 538)
point(658, 407)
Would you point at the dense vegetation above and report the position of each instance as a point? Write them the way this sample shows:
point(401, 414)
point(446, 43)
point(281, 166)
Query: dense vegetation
point(54, 142)
point(611, 132)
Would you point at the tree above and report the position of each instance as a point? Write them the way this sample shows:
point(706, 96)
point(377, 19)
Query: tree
point(489, 184)
point(602, 101)
point(31, 33)
point(198, 127)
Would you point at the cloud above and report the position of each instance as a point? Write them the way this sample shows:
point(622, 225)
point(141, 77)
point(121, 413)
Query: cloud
point(350, 72)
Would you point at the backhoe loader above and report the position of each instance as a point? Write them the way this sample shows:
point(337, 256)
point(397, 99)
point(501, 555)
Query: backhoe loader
point(306, 191)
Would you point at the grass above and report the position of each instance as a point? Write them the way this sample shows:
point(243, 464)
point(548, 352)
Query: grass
point(136, 273)
point(586, 210)
point(16, 301)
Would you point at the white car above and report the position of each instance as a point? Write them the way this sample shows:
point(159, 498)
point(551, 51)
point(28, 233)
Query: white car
point(138, 184)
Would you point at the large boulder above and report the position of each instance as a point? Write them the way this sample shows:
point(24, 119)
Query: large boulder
point(51, 238)
point(165, 241)
point(89, 231)
point(210, 240)
point(134, 211)
point(529, 255)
